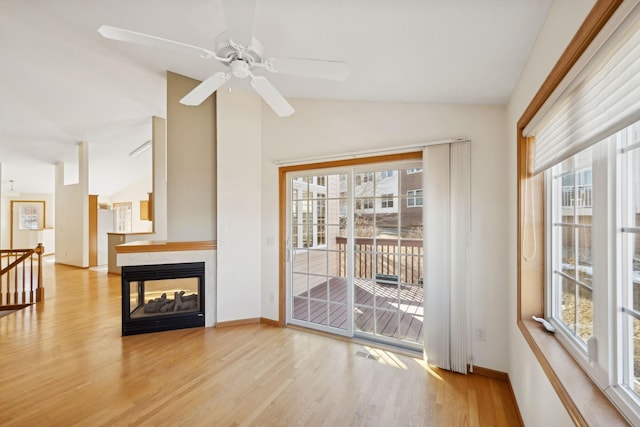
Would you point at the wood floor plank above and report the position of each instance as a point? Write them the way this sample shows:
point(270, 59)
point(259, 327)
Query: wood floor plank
point(63, 362)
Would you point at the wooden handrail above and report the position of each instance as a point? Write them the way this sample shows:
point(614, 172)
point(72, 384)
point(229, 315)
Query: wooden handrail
point(26, 288)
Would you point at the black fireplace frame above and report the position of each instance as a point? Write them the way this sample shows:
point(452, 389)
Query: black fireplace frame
point(136, 275)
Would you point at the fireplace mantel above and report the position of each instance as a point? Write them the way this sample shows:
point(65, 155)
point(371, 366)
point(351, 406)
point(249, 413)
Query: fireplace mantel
point(155, 252)
point(164, 246)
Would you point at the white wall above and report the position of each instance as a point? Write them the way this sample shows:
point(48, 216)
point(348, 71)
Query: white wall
point(239, 205)
point(72, 213)
point(538, 402)
point(5, 215)
point(322, 127)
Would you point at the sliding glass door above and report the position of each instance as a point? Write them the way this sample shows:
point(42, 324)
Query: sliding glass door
point(318, 290)
point(355, 252)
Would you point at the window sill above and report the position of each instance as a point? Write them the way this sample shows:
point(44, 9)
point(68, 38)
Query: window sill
point(584, 401)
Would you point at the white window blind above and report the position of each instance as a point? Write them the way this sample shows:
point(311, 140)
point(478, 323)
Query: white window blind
point(447, 219)
point(598, 100)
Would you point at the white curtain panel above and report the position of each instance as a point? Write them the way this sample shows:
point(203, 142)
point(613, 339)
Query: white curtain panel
point(447, 219)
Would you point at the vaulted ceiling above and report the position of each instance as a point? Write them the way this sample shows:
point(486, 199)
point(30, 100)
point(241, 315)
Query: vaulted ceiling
point(61, 82)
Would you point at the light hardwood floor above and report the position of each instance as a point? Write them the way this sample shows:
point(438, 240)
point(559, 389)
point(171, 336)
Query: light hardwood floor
point(64, 363)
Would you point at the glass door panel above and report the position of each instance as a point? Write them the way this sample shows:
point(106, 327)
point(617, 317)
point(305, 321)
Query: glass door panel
point(318, 278)
point(388, 256)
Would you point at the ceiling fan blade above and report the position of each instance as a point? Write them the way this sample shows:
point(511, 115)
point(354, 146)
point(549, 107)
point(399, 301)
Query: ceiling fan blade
point(318, 68)
point(205, 89)
point(271, 96)
point(123, 35)
point(239, 16)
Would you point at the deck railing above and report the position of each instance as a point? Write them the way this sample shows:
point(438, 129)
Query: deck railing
point(581, 196)
point(402, 258)
point(19, 284)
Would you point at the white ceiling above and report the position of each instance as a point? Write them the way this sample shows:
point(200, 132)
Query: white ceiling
point(61, 82)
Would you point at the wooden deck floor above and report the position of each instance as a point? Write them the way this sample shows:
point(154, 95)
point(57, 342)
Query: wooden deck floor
point(64, 363)
point(380, 309)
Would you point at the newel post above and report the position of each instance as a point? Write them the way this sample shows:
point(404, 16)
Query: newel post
point(40, 289)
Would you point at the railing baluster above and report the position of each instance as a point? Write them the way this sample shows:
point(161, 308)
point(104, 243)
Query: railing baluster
point(40, 288)
point(31, 291)
point(20, 278)
point(15, 279)
point(388, 253)
point(412, 250)
point(15, 285)
point(2, 297)
point(24, 281)
point(8, 281)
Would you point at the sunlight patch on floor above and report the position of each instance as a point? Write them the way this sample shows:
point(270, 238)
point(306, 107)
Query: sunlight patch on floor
point(386, 358)
point(430, 370)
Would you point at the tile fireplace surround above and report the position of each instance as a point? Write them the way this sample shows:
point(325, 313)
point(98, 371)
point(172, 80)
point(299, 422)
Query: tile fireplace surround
point(150, 253)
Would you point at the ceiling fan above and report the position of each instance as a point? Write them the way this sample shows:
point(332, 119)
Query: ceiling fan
point(242, 53)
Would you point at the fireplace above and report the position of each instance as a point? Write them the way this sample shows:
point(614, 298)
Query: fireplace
point(162, 297)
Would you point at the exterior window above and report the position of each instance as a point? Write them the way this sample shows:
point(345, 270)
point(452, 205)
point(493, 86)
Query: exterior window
point(367, 177)
point(294, 217)
point(414, 170)
point(387, 201)
point(572, 241)
point(414, 198)
point(122, 215)
point(630, 257)
point(28, 217)
point(362, 204)
point(386, 174)
point(321, 232)
point(309, 211)
point(307, 219)
point(594, 275)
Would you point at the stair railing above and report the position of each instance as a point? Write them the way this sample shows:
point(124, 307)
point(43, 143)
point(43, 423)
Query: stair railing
point(19, 286)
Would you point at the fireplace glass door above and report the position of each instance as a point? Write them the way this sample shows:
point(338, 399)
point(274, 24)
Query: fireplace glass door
point(162, 297)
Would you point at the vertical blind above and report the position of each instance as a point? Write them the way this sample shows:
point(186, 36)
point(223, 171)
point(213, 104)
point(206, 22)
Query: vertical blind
point(600, 99)
point(447, 218)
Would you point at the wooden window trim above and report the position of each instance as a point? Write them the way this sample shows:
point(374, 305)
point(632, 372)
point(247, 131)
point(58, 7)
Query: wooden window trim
point(585, 403)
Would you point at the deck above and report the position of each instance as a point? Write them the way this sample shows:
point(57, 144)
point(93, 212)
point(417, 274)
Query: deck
point(380, 309)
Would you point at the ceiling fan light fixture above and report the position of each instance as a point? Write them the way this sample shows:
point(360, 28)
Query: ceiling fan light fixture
point(240, 69)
